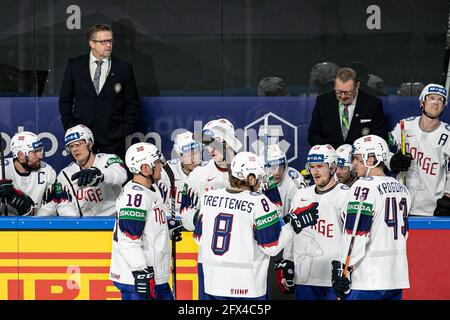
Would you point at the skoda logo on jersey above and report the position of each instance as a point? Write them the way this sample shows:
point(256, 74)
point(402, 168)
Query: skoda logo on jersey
point(132, 213)
point(72, 137)
point(279, 131)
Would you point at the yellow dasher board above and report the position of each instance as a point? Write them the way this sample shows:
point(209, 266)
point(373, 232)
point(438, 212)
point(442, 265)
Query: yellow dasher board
point(73, 265)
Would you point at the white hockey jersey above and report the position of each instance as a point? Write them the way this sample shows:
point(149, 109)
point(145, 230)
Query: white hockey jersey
point(315, 247)
point(428, 176)
point(141, 236)
point(38, 185)
point(291, 183)
point(237, 231)
point(99, 200)
point(180, 178)
point(202, 179)
point(379, 257)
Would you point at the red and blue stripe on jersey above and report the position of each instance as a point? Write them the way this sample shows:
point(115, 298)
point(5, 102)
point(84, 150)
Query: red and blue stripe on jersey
point(267, 229)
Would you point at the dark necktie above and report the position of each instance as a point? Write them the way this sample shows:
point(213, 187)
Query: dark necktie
point(97, 74)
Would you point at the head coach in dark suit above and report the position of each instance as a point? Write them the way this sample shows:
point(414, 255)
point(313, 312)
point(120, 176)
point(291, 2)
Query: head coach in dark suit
point(346, 114)
point(99, 91)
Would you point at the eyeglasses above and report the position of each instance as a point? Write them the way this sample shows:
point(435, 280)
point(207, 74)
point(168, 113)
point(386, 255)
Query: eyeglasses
point(434, 99)
point(104, 42)
point(346, 93)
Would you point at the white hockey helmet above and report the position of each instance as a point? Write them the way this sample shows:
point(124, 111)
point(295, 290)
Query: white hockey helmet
point(142, 153)
point(433, 88)
point(25, 141)
point(275, 156)
point(322, 153)
point(371, 145)
point(79, 132)
point(344, 156)
point(221, 130)
point(184, 142)
point(245, 163)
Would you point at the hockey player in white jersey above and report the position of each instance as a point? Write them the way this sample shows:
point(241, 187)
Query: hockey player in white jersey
point(178, 169)
point(29, 186)
point(219, 137)
point(427, 143)
point(140, 260)
point(93, 180)
point(288, 179)
point(376, 217)
point(345, 173)
point(238, 229)
point(312, 251)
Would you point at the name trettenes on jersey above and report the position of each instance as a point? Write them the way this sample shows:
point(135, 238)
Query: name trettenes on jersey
point(229, 203)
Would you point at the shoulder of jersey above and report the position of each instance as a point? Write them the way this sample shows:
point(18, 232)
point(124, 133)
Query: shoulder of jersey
point(134, 187)
point(343, 186)
point(8, 161)
point(47, 167)
point(294, 174)
point(109, 159)
point(200, 168)
point(173, 161)
point(71, 166)
point(447, 126)
point(203, 164)
point(411, 118)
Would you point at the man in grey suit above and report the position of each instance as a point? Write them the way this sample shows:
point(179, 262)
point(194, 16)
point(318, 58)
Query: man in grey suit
point(99, 91)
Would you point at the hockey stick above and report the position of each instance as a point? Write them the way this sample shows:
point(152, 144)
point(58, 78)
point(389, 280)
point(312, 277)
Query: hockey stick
point(355, 228)
point(402, 137)
point(74, 193)
point(172, 196)
point(266, 138)
point(2, 159)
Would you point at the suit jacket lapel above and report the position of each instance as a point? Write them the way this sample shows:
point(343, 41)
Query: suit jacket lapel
point(336, 120)
point(112, 73)
point(354, 125)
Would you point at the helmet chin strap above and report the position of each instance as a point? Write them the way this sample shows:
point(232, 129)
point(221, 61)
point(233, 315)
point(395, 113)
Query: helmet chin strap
point(87, 160)
point(428, 115)
point(25, 164)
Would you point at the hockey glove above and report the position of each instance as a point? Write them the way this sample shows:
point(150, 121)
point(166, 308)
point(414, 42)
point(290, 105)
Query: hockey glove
point(284, 270)
point(304, 217)
point(20, 201)
point(340, 284)
point(91, 177)
point(175, 226)
point(400, 162)
point(442, 206)
point(6, 188)
point(144, 283)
